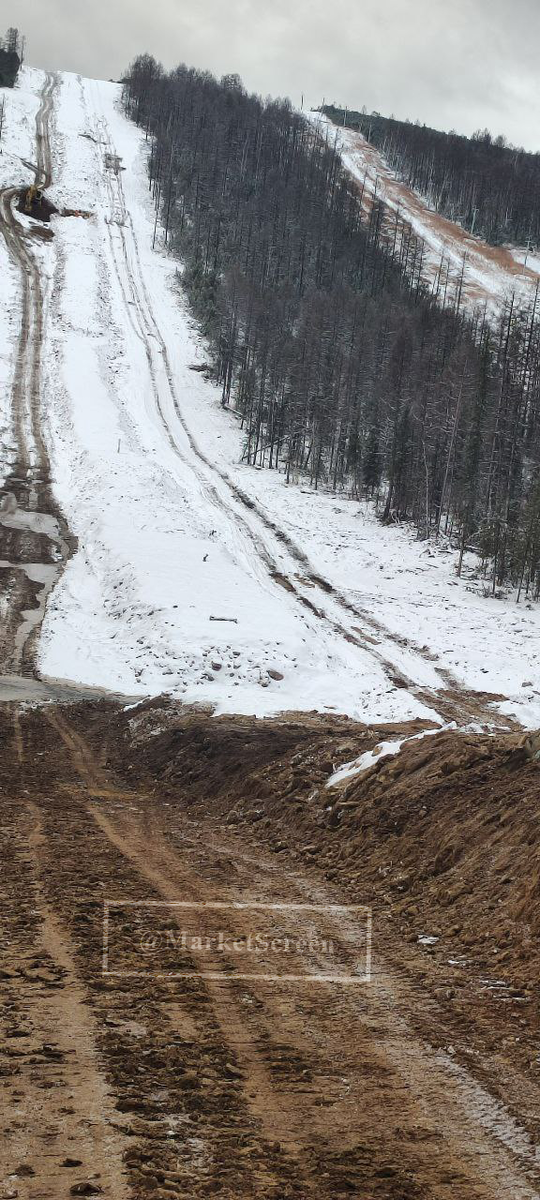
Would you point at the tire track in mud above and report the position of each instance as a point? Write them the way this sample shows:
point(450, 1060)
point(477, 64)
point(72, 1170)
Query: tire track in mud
point(452, 702)
point(59, 1125)
point(27, 375)
point(181, 1093)
point(43, 143)
point(344, 1096)
point(61, 1111)
point(34, 537)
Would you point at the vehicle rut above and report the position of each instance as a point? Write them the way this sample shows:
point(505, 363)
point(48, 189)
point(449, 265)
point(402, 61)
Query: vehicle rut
point(338, 1089)
point(451, 702)
point(35, 541)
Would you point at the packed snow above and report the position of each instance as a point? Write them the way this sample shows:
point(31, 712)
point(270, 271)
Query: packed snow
point(178, 585)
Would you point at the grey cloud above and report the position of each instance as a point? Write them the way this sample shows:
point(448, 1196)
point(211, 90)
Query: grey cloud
point(462, 64)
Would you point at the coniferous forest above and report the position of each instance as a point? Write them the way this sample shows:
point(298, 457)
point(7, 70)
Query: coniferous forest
point(11, 57)
point(342, 367)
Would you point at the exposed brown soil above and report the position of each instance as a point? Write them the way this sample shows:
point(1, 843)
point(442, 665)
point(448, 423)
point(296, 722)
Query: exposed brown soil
point(423, 1083)
point(477, 254)
point(76, 212)
point(36, 205)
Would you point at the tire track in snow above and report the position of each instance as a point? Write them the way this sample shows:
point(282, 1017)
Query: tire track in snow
point(148, 332)
point(451, 700)
point(38, 521)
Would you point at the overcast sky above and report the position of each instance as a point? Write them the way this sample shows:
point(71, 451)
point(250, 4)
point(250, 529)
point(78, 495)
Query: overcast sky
point(459, 64)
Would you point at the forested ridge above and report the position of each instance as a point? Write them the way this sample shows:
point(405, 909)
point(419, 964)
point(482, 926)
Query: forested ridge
point(11, 57)
point(488, 186)
point(342, 367)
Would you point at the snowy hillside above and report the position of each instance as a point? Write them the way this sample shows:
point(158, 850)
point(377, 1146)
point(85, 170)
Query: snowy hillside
point(195, 574)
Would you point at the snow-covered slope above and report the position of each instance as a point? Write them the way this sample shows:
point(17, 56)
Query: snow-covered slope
point(196, 574)
point(17, 149)
point(455, 264)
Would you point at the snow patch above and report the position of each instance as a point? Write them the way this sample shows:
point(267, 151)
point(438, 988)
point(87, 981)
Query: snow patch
point(381, 750)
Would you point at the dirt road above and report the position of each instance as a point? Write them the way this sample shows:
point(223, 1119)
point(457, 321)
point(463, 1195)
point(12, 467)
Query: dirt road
point(152, 1086)
point(34, 538)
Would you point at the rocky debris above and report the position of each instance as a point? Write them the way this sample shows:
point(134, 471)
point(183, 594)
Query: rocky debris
point(86, 1188)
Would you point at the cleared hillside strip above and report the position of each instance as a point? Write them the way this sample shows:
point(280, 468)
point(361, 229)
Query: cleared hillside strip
point(488, 186)
point(343, 368)
point(458, 269)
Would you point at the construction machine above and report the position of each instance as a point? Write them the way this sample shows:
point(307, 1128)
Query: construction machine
point(34, 195)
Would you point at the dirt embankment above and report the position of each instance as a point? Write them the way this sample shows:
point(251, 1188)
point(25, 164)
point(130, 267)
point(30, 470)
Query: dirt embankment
point(424, 1082)
point(445, 834)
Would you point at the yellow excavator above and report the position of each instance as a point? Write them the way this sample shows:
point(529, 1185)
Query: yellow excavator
point(33, 196)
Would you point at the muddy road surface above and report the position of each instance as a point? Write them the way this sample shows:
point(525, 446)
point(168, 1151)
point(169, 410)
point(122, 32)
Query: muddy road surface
point(34, 538)
point(160, 1070)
